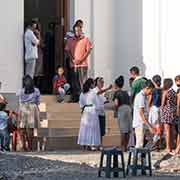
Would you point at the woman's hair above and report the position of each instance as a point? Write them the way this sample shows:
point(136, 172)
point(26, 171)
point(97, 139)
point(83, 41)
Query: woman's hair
point(2, 106)
point(135, 70)
point(120, 81)
point(157, 80)
point(79, 22)
point(167, 84)
point(148, 84)
point(177, 78)
point(76, 25)
point(87, 85)
point(28, 84)
point(98, 79)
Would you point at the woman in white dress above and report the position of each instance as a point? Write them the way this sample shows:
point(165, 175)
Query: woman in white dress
point(89, 132)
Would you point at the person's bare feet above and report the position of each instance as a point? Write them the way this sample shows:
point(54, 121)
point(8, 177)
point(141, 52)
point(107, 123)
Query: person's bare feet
point(168, 150)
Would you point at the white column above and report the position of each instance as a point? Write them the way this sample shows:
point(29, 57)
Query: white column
point(171, 37)
point(152, 37)
point(11, 44)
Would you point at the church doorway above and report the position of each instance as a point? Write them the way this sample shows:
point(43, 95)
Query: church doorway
point(51, 16)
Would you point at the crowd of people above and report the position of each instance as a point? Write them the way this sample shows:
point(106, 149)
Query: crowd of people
point(147, 116)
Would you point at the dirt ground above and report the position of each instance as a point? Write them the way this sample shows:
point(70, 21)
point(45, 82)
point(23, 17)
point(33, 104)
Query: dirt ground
point(70, 165)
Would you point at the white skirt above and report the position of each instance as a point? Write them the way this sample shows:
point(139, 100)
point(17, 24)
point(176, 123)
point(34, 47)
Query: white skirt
point(89, 132)
point(154, 115)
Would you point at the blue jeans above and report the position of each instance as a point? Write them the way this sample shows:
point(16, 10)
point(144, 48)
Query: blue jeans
point(4, 139)
point(63, 90)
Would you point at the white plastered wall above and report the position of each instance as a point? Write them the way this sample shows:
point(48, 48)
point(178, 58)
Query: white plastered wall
point(115, 28)
point(11, 45)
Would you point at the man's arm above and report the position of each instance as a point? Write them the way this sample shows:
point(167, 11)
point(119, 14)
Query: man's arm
point(35, 41)
point(88, 51)
point(145, 120)
point(104, 90)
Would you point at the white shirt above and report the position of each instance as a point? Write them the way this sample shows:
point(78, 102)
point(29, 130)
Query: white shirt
point(100, 100)
point(139, 102)
point(31, 43)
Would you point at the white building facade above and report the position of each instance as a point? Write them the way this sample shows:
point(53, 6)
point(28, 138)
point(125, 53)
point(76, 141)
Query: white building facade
point(145, 33)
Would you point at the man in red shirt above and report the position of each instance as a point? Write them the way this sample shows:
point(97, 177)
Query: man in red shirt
point(78, 49)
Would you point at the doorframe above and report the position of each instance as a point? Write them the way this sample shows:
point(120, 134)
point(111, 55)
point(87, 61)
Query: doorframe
point(62, 24)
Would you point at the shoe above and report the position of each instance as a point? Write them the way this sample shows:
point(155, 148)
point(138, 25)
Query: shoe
point(93, 149)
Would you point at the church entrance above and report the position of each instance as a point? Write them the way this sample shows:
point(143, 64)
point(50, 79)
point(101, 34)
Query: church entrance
point(51, 16)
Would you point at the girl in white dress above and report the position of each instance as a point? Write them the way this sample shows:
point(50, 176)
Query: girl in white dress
point(89, 132)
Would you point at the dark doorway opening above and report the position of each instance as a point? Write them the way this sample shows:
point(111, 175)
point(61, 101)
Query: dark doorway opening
point(50, 15)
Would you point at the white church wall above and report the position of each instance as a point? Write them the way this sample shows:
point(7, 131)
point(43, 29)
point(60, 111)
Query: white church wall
point(115, 28)
point(11, 45)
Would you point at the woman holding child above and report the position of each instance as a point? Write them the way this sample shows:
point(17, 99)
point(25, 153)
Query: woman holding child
point(29, 99)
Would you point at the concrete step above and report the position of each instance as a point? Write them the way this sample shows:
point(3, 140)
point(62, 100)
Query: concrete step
point(59, 143)
point(71, 124)
point(60, 125)
point(51, 99)
point(63, 108)
point(62, 132)
point(63, 116)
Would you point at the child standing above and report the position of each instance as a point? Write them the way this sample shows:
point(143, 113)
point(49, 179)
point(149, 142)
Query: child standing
point(100, 90)
point(140, 114)
point(168, 110)
point(4, 135)
point(60, 85)
point(155, 101)
point(154, 112)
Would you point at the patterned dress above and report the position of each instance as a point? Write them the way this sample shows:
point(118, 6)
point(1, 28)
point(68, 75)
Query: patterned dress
point(28, 109)
point(168, 112)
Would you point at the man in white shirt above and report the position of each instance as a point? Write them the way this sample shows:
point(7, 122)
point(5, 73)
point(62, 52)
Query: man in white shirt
point(140, 114)
point(31, 50)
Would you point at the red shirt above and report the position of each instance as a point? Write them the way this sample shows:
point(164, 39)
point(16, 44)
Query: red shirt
point(58, 81)
point(78, 48)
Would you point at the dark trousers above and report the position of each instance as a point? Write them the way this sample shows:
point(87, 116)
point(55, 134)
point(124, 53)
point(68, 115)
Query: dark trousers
point(4, 139)
point(75, 85)
point(102, 124)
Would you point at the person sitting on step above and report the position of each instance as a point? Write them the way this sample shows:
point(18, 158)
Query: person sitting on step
point(60, 85)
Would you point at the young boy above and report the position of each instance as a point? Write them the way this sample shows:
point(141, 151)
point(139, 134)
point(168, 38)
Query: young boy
point(4, 135)
point(138, 82)
point(60, 86)
point(140, 115)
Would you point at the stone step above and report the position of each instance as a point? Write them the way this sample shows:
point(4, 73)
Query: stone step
point(51, 99)
point(62, 132)
point(66, 124)
point(63, 116)
point(59, 143)
point(63, 108)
